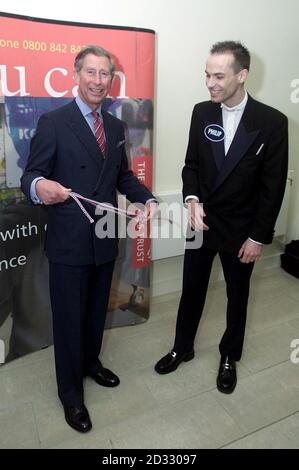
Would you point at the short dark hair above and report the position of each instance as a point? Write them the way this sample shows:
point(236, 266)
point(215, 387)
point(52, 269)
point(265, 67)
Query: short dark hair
point(240, 53)
point(95, 50)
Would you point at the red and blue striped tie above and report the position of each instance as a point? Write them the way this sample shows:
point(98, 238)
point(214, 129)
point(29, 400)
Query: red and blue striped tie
point(99, 133)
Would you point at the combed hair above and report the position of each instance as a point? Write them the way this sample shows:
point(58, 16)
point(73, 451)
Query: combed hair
point(240, 53)
point(95, 50)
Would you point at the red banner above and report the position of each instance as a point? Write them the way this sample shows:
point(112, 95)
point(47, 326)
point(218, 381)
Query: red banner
point(36, 59)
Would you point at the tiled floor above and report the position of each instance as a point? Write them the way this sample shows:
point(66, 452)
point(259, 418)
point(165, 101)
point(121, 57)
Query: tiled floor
point(180, 410)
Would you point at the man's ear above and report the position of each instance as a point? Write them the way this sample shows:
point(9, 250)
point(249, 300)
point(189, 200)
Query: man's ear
point(76, 77)
point(243, 74)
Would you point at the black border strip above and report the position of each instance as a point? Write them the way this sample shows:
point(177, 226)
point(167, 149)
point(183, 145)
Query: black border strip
point(74, 23)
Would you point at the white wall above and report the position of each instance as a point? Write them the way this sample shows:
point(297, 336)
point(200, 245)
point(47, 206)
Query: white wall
point(185, 31)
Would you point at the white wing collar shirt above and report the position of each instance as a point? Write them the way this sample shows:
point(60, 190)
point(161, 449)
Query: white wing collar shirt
point(231, 118)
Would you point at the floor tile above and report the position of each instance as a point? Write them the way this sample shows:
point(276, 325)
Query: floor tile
point(18, 428)
point(281, 435)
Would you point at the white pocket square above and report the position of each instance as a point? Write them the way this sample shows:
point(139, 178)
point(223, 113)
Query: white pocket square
point(120, 143)
point(260, 148)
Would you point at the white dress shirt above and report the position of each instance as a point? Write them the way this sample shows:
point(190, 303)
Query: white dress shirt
point(231, 118)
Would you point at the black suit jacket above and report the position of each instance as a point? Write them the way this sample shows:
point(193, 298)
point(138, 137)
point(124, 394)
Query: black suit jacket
point(64, 149)
point(242, 191)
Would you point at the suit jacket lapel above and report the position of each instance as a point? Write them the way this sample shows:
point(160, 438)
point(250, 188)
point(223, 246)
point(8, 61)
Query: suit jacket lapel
point(82, 130)
point(244, 137)
point(217, 147)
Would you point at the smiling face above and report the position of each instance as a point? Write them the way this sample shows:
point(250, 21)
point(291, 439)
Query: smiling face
point(94, 80)
point(224, 84)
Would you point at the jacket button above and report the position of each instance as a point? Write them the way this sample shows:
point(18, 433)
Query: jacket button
point(95, 193)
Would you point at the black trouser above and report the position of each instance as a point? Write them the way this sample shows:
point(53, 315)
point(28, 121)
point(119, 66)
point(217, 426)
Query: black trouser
point(79, 299)
point(197, 270)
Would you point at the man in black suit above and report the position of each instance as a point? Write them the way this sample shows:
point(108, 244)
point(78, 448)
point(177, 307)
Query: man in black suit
point(68, 154)
point(233, 184)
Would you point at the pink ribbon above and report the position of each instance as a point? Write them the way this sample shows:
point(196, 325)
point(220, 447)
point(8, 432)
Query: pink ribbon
point(108, 207)
point(102, 205)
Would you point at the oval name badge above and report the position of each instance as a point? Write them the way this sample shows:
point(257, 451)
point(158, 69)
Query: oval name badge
point(214, 132)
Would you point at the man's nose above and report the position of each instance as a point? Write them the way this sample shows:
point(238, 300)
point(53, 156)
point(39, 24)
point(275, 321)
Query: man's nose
point(210, 82)
point(98, 78)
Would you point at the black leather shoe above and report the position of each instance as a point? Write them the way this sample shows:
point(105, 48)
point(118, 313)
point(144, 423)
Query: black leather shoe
point(227, 375)
point(171, 361)
point(78, 418)
point(105, 377)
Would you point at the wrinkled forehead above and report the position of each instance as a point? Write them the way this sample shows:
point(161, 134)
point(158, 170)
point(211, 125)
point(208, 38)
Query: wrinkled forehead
point(95, 62)
point(220, 63)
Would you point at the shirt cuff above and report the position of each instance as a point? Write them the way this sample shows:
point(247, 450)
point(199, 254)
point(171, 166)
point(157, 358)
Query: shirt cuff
point(34, 197)
point(152, 200)
point(188, 198)
point(254, 241)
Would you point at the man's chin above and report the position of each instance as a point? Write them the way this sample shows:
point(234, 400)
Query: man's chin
point(215, 99)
